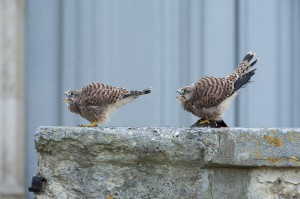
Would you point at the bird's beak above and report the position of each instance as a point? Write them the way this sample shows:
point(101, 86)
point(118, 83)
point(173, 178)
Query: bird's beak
point(179, 91)
point(66, 93)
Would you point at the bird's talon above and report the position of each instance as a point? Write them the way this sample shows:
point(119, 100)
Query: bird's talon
point(94, 124)
point(204, 122)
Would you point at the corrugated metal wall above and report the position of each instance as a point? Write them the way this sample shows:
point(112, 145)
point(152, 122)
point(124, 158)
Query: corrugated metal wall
point(164, 44)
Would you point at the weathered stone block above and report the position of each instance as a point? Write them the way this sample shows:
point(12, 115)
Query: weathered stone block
point(168, 162)
point(258, 147)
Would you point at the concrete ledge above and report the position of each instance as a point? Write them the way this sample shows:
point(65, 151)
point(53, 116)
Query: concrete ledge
point(258, 147)
point(168, 162)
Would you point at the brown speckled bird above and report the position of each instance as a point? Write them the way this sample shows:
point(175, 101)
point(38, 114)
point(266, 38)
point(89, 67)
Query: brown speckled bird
point(96, 102)
point(209, 97)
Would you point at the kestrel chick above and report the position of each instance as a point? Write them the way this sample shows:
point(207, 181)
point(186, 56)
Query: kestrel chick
point(209, 97)
point(96, 102)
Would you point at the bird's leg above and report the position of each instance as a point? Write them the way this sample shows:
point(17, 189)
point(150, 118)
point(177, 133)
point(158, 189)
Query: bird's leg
point(94, 124)
point(204, 121)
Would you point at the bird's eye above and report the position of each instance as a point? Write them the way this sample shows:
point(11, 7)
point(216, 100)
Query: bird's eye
point(186, 91)
point(71, 93)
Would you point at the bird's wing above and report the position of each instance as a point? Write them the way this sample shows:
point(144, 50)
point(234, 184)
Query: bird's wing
point(209, 91)
point(98, 94)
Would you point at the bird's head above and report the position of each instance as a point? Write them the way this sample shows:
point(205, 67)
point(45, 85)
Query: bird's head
point(185, 93)
point(69, 93)
point(71, 96)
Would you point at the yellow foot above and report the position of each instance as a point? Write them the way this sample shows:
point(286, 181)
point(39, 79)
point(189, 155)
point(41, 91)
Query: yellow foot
point(94, 124)
point(204, 121)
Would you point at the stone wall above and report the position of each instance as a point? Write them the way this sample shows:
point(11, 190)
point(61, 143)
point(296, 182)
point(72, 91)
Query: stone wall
point(168, 162)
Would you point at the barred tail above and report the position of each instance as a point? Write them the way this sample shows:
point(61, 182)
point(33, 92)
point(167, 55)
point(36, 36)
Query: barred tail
point(138, 93)
point(243, 80)
point(244, 66)
point(147, 91)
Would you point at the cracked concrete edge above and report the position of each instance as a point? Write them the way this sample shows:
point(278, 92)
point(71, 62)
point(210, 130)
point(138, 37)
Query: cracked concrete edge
point(273, 147)
point(127, 145)
point(240, 147)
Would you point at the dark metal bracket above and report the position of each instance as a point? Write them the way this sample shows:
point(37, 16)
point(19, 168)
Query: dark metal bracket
point(37, 184)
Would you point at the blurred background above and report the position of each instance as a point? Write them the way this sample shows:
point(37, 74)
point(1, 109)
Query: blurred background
point(49, 46)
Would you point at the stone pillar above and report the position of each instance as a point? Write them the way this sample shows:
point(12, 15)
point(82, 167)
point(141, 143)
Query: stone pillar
point(12, 127)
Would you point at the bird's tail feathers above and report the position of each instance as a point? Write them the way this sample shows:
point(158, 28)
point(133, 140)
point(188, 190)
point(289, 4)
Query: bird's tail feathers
point(147, 91)
point(243, 80)
point(138, 93)
point(245, 64)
